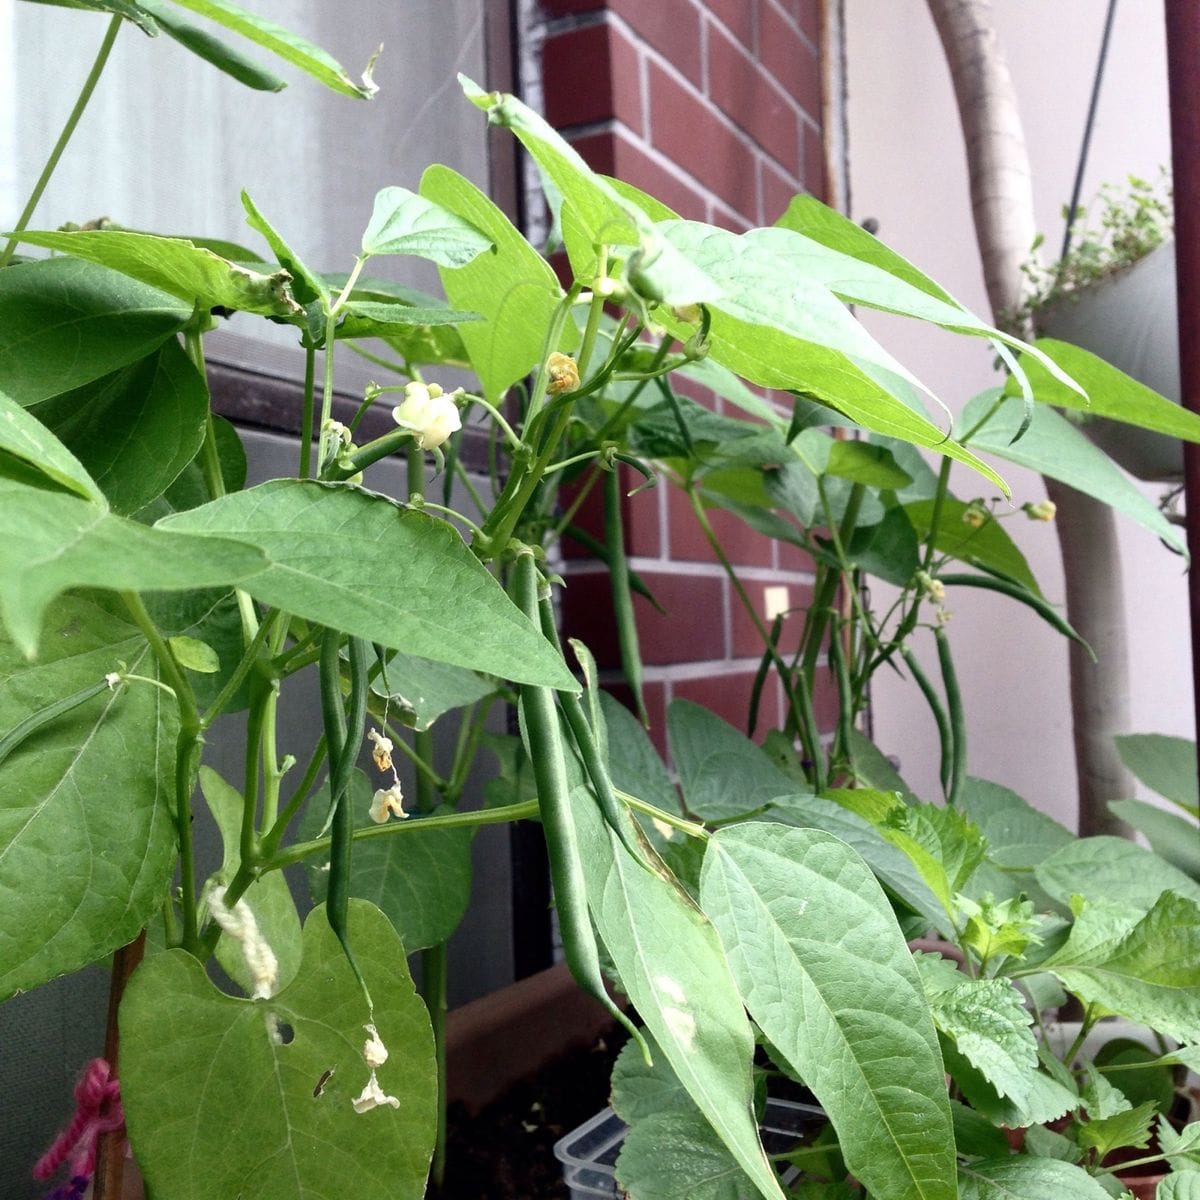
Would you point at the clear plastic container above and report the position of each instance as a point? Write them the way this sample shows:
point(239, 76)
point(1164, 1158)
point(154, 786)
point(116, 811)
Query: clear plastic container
point(589, 1154)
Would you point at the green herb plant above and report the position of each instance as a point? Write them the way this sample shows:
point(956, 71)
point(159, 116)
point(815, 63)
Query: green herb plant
point(145, 591)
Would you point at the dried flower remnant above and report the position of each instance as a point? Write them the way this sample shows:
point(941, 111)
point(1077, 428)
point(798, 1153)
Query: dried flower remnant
point(239, 923)
point(563, 372)
point(382, 752)
point(387, 802)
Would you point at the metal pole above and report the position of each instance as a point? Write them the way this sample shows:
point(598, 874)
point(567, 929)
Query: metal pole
point(1183, 55)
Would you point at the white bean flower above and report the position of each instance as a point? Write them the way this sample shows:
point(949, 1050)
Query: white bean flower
point(430, 413)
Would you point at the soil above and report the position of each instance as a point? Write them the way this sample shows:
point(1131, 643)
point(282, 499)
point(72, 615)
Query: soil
point(506, 1151)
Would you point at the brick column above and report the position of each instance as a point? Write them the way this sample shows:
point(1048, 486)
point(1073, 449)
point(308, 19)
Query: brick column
point(715, 107)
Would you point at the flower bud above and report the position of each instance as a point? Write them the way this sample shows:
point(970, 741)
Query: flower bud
point(975, 515)
point(429, 413)
point(935, 589)
point(1043, 510)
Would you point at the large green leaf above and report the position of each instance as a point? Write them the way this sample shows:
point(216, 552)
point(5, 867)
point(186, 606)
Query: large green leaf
point(420, 690)
point(1172, 837)
point(943, 846)
point(137, 429)
point(1111, 870)
point(26, 438)
point(219, 1104)
point(640, 1090)
point(1144, 967)
point(1054, 447)
point(722, 772)
point(54, 542)
point(421, 879)
point(1018, 835)
point(283, 43)
point(989, 546)
point(633, 761)
point(269, 897)
point(1023, 1177)
point(1110, 392)
point(357, 561)
point(669, 961)
point(178, 267)
point(307, 286)
point(403, 222)
point(85, 803)
point(65, 322)
point(825, 972)
point(1166, 765)
point(513, 287)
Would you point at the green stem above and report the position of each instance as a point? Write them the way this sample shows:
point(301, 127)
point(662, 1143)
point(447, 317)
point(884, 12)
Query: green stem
point(306, 412)
point(244, 667)
point(427, 793)
point(457, 820)
point(660, 814)
point(274, 835)
point(81, 103)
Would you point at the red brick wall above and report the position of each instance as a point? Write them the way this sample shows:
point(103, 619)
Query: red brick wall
point(715, 107)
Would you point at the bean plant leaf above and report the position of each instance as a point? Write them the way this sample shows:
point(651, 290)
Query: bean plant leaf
point(1110, 393)
point(824, 970)
point(640, 1090)
point(721, 771)
point(269, 897)
point(136, 13)
point(55, 542)
point(1172, 837)
point(65, 322)
point(357, 561)
point(1023, 1177)
point(420, 334)
point(1180, 1185)
point(26, 438)
point(1018, 835)
point(670, 963)
point(1054, 447)
point(419, 878)
point(178, 267)
point(420, 690)
point(1143, 967)
point(633, 761)
point(676, 1156)
point(219, 54)
point(1111, 870)
point(1166, 765)
point(404, 222)
point(296, 1132)
point(306, 285)
point(290, 47)
point(513, 287)
point(137, 429)
point(86, 836)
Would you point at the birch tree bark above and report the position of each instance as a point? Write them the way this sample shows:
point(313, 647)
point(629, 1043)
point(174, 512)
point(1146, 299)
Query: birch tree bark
point(1002, 206)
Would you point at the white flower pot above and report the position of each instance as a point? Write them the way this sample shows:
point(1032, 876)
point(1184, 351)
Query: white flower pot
point(1130, 319)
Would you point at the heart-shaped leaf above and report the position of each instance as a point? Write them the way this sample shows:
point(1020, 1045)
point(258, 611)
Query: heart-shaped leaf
point(405, 223)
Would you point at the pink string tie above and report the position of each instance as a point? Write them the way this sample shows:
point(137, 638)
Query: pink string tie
point(97, 1110)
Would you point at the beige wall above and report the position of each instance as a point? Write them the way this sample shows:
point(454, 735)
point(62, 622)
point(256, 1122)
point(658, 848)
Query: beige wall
point(907, 170)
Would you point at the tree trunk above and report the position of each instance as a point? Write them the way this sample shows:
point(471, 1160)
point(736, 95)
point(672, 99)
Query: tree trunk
point(1005, 227)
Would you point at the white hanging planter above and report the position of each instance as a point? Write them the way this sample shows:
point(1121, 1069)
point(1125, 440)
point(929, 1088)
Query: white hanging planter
point(1130, 319)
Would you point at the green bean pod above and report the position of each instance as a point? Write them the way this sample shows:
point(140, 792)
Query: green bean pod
point(761, 675)
point(38, 720)
point(618, 571)
point(945, 737)
point(548, 760)
point(344, 728)
point(958, 723)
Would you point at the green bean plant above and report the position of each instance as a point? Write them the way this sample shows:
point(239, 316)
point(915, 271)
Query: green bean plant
point(146, 591)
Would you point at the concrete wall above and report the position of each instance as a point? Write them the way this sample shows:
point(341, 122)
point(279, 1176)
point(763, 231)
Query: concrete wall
point(907, 169)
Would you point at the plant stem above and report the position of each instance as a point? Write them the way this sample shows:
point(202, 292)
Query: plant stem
point(81, 103)
point(306, 413)
point(433, 991)
point(660, 814)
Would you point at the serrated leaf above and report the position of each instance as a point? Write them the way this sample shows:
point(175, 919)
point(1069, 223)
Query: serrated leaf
point(1166, 765)
point(269, 898)
point(283, 43)
point(942, 845)
point(65, 322)
point(25, 437)
point(513, 287)
point(86, 834)
point(1052, 446)
point(1179, 1186)
point(296, 1133)
point(669, 962)
point(676, 1156)
point(176, 266)
point(1128, 1128)
point(357, 561)
point(1046, 1098)
point(137, 429)
point(55, 542)
point(1181, 1148)
point(403, 222)
point(419, 878)
point(640, 1090)
point(1025, 1178)
point(1145, 968)
point(721, 771)
point(1111, 870)
point(826, 974)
